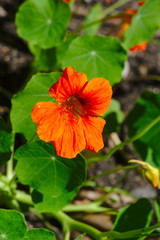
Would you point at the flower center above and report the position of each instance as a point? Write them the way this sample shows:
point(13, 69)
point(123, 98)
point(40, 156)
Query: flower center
point(72, 108)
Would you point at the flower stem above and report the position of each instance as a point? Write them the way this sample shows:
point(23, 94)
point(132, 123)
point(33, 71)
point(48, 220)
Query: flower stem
point(70, 224)
point(112, 171)
point(103, 16)
point(9, 167)
point(121, 145)
point(114, 6)
point(67, 222)
point(6, 93)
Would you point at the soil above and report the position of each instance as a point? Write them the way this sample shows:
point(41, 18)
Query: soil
point(140, 75)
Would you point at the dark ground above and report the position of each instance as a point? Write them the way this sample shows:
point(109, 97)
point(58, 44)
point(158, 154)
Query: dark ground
point(15, 66)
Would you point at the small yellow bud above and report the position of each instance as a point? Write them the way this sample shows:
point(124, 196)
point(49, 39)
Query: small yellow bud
point(148, 172)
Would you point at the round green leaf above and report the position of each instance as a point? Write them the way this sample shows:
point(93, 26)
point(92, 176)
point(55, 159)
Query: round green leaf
point(96, 56)
point(6, 142)
point(144, 112)
point(144, 24)
point(40, 167)
point(43, 203)
point(43, 22)
point(23, 102)
point(12, 225)
point(39, 234)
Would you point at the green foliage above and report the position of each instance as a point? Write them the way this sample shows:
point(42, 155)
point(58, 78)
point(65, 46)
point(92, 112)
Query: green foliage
point(43, 23)
point(96, 56)
point(6, 141)
point(145, 111)
point(23, 102)
point(133, 234)
point(134, 216)
point(80, 237)
point(44, 59)
point(94, 14)
point(40, 167)
point(144, 24)
point(12, 225)
point(114, 117)
point(43, 203)
point(39, 234)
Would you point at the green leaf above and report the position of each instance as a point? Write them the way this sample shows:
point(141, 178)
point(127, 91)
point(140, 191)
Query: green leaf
point(96, 56)
point(39, 234)
point(43, 203)
point(80, 237)
point(40, 167)
point(23, 102)
point(12, 225)
point(157, 210)
point(144, 24)
point(135, 216)
point(44, 59)
point(114, 117)
point(145, 111)
point(94, 14)
point(43, 22)
point(6, 142)
point(63, 48)
point(134, 234)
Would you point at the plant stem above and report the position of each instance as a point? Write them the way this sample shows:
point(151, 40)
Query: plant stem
point(9, 167)
point(70, 224)
point(91, 207)
point(67, 222)
point(112, 171)
point(121, 145)
point(114, 6)
point(103, 16)
point(6, 93)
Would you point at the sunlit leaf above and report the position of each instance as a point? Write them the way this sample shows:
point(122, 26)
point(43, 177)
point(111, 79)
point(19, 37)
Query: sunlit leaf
point(44, 203)
point(43, 22)
point(39, 234)
point(144, 24)
point(23, 102)
point(40, 167)
point(12, 225)
point(96, 56)
point(6, 141)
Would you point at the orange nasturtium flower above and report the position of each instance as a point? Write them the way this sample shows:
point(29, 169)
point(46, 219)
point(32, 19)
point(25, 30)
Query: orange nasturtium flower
point(73, 124)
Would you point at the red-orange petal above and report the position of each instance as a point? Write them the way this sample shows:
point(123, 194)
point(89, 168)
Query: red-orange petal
point(72, 141)
point(50, 123)
point(96, 96)
point(140, 47)
point(68, 85)
point(93, 127)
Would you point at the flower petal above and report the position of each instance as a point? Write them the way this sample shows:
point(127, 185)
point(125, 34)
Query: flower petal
point(93, 127)
point(72, 141)
point(96, 96)
point(68, 85)
point(50, 123)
